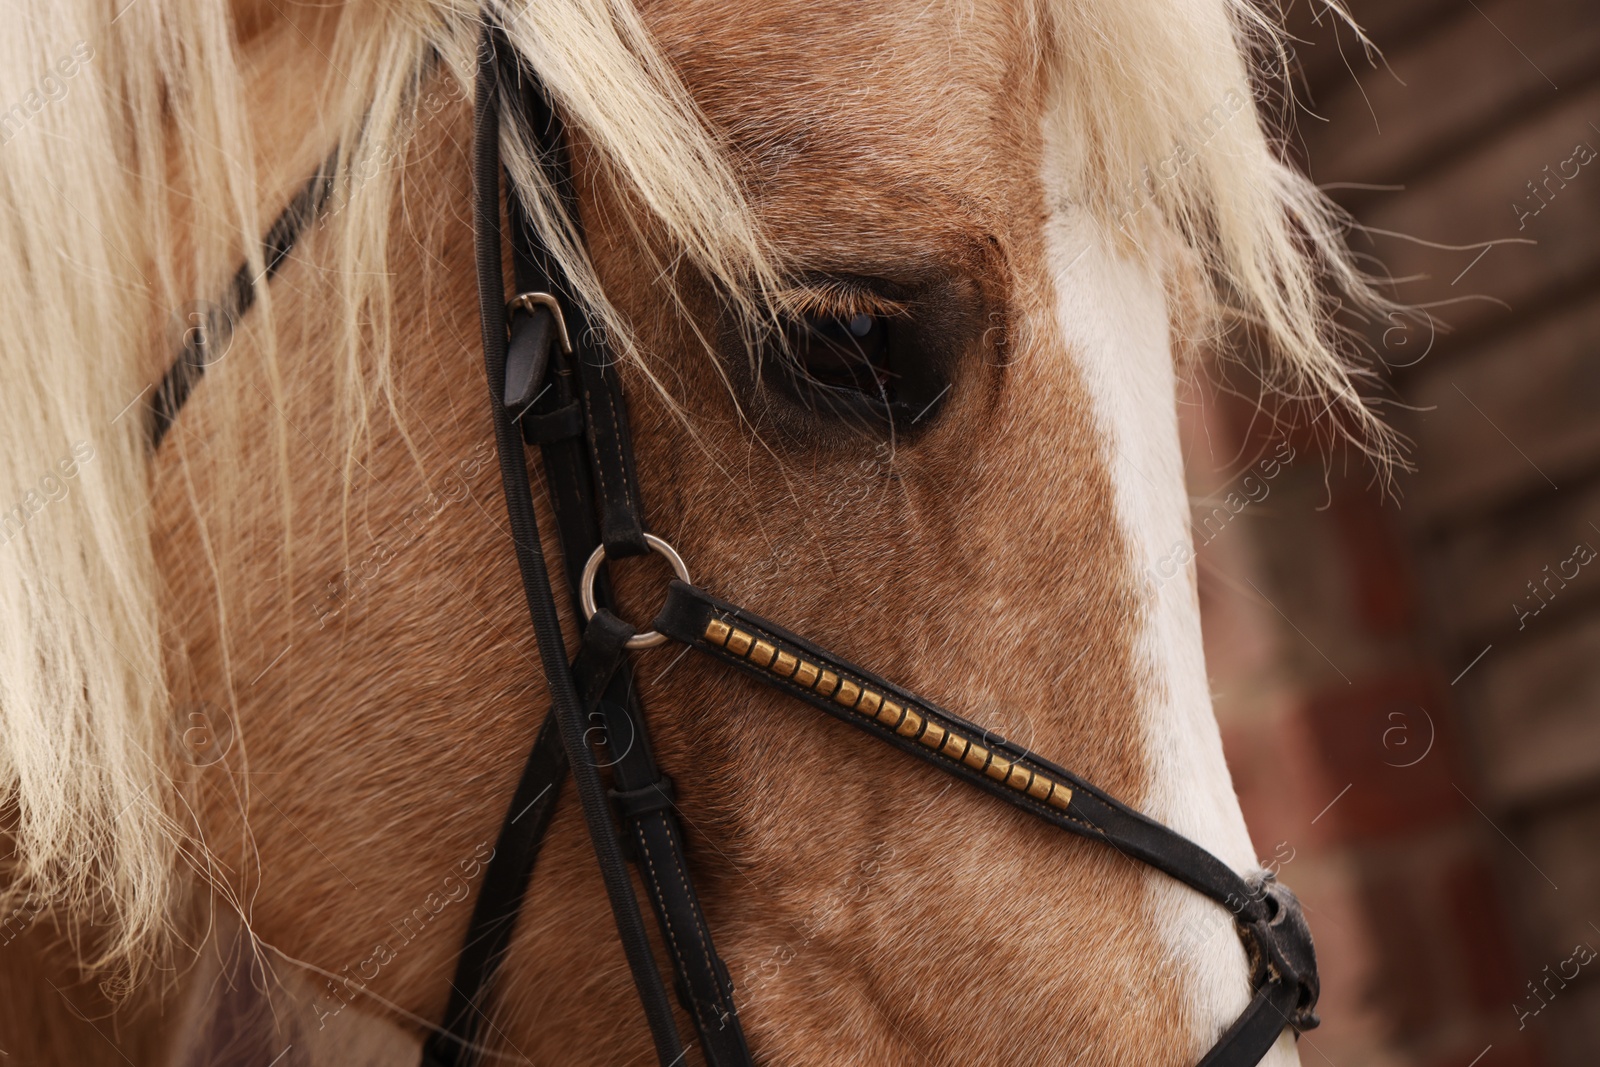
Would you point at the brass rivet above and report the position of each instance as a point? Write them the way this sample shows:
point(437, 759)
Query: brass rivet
point(739, 642)
point(1039, 788)
point(717, 632)
point(868, 705)
point(890, 714)
point(933, 736)
point(762, 653)
point(999, 769)
point(785, 664)
point(806, 674)
point(827, 683)
point(977, 756)
point(1020, 778)
point(955, 746)
point(1060, 796)
point(909, 726)
point(848, 694)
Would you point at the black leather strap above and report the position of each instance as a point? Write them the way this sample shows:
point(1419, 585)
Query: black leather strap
point(598, 386)
point(494, 915)
point(584, 393)
point(1283, 966)
point(605, 418)
point(1091, 813)
point(1248, 1040)
point(1266, 914)
point(203, 344)
point(599, 641)
point(644, 800)
point(600, 482)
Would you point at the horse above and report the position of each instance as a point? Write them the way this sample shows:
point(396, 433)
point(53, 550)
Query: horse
point(266, 688)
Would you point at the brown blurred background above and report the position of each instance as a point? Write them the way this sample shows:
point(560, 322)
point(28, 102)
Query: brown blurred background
point(1408, 689)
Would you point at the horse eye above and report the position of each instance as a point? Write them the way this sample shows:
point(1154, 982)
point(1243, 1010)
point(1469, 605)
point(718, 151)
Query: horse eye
point(842, 352)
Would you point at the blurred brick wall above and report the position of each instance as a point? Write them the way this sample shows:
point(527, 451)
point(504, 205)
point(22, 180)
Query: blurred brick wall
point(1341, 737)
point(1448, 886)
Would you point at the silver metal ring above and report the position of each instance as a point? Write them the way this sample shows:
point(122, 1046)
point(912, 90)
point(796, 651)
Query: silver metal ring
point(528, 301)
point(648, 639)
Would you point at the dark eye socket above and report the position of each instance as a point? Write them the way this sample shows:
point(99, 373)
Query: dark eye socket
point(867, 352)
point(842, 352)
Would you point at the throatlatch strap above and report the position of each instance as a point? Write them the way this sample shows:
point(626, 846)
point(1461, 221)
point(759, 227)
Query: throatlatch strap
point(200, 339)
point(494, 915)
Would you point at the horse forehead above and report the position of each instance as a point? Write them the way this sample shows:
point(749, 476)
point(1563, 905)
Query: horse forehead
point(930, 86)
point(816, 41)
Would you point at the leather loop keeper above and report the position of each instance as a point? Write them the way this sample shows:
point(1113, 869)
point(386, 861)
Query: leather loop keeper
point(563, 423)
point(634, 804)
point(599, 654)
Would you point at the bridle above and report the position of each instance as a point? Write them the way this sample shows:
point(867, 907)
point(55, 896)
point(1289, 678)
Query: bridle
point(553, 383)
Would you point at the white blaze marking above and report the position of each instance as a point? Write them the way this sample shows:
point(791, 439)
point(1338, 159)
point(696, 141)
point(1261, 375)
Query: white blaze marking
point(1112, 314)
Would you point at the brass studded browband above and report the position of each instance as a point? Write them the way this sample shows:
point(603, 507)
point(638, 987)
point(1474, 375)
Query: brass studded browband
point(920, 728)
point(912, 722)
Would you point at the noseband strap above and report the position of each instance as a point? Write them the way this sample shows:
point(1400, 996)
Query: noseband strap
point(1266, 913)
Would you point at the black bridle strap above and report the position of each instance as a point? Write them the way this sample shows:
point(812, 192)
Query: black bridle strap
point(600, 482)
point(642, 794)
point(552, 417)
point(921, 728)
point(1253, 1034)
point(569, 713)
point(204, 343)
point(599, 399)
point(1268, 919)
point(500, 896)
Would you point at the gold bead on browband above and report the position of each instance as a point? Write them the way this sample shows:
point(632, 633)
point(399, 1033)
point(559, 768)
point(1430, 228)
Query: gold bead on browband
point(907, 722)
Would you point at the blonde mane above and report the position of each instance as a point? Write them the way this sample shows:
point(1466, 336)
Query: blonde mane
point(100, 166)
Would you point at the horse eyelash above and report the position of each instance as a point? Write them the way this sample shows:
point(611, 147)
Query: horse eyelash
point(836, 299)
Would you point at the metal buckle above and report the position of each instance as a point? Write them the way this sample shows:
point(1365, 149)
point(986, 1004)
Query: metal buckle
point(650, 638)
point(530, 301)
